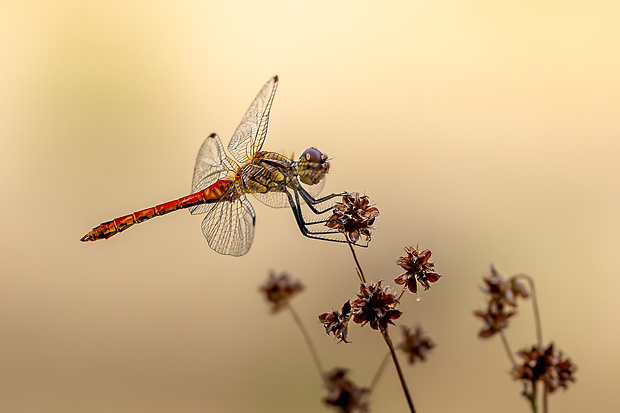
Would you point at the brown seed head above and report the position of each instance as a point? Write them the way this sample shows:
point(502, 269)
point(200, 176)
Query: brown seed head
point(337, 322)
point(544, 365)
point(343, 393)
point(375, 305)
point(279, 290)
point(502, 294)
point(416, 344)
point(495, 320)
point(417, 269)
point(353, 216)
point(502, 291)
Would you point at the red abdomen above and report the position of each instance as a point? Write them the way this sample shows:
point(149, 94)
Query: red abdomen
point(211, 194)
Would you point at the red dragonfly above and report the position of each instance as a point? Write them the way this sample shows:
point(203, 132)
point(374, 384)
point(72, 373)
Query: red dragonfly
point(221, 182)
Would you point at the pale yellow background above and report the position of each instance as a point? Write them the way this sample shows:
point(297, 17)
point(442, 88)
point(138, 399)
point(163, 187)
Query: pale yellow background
point(487, 131)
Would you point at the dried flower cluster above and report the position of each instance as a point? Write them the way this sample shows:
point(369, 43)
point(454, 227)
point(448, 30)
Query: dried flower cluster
point(343, 393)
point(502, 294)
point(278, 290)
point(494, 322)
point(543, 365)
point(540, 365)
point(375, 305)
point(416, 344)
point(337, 322)
point(417, 269)
point(353, 216)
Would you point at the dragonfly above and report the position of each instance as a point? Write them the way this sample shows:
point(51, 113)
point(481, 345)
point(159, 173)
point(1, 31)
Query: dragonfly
point(221, 182)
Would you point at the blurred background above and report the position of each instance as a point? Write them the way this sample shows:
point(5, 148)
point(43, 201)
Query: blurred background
point(485, 131)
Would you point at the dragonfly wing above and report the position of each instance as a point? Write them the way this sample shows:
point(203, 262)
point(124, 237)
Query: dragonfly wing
point(251, 132)
point(272, 199)
point(229, 226)
point(212, 164)
point(315, 189)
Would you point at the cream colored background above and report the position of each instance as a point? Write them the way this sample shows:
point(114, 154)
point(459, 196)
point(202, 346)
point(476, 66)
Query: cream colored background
point(487, 131)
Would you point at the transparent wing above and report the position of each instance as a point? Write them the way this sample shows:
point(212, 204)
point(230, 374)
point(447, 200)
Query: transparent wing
point(316, 189)
point(272, 199)
point(251, 132)
point(212, 164)
point(229, 226)
point(279, 199)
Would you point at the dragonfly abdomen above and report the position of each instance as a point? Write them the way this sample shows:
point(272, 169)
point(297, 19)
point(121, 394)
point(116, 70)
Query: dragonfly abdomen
point(107, 229)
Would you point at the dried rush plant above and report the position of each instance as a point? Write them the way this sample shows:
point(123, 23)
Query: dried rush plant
point(540, 365)
point(375, 306)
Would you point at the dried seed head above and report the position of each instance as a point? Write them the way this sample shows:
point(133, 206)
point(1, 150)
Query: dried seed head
point(375, 305)
point(417, 268)
point(278, 290)
point(502, 294)
point(343, 393)
point(337, 322)
point(416, 344)
point(494, 319)
point(503, 291)
point(353, 216)
point(539, 364)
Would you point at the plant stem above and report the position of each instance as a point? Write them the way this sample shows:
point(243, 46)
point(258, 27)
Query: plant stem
point(388, 341)
point(402, 292)
point(507, 348)
point(539, 339)
point(315, 355)
point(533, 398)
point(360, 273)
point(377, 376)
point(530, 281)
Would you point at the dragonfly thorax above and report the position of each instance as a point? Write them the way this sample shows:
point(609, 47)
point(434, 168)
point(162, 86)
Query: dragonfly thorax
point(267, 172)
point(312, 166)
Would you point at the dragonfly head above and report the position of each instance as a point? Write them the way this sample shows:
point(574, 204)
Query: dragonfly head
point(312, 166)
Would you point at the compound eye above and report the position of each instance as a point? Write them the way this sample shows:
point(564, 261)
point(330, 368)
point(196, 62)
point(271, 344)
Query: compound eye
point(312, 155)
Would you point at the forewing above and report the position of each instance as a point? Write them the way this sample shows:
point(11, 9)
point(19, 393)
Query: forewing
point(251, 132)
point(212, 164)
point(229, 226)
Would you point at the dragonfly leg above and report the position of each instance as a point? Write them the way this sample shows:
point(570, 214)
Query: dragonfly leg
point(303, 225)
point(313, 203)
point(320, 221)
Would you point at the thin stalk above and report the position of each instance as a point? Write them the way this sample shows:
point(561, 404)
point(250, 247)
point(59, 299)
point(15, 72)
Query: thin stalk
point(403, 383)
point(308, 341)
point(538, 323)
point(533, 398)
point(379, 372)
point(507, 348)
point(360, 273)
point(530, 281)
point(539, 338)
point(402, 292)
